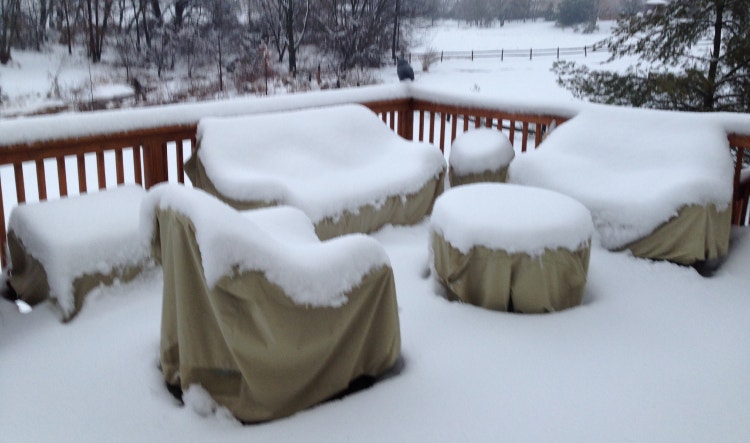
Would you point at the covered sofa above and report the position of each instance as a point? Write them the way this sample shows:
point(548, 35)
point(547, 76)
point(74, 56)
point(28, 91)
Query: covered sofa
point(656, 183)
point(259, 312)
point(341, 165)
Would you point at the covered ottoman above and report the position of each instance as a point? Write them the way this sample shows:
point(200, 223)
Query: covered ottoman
point(480, 155)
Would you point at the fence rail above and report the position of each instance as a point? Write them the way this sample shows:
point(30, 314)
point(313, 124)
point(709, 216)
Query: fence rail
point(152, 155)
point(502, 54)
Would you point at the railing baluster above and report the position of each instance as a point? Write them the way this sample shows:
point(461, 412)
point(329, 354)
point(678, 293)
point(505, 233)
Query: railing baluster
point(466, 122)
point(20, 186)
point(62, 177)
point(432, 127)
point(538, 134)
point(119, 166)
point(137, 164)
point(82, 187)
point(3, 238)
point(421, 125)
point(180, 168)
point(100, 170)
point(442, 132)
point(477, 121)
point(41, 179)
point(512, 133)
point(454, 126)
point(524, 136)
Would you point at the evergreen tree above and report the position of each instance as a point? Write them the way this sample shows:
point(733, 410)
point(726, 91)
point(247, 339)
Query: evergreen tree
point(695, 56)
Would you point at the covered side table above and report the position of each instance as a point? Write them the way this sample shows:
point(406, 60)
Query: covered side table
point(480, 155)
point(511, 248)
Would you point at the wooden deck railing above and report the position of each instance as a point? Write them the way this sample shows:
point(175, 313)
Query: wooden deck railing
point(156, 154)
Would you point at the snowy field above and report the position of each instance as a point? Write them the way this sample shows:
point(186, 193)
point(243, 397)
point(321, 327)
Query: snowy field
point(655, 352)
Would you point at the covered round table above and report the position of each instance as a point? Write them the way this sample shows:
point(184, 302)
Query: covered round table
point(511, 248)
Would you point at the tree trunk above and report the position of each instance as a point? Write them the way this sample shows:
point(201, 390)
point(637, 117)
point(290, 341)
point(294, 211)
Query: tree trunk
point(709, 95)
point(156, 10)
point(179, 12)
point(289, 24)
point(394, 41)
point(9, 16)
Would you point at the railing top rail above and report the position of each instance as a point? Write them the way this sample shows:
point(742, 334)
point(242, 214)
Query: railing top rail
point(26, 131)
point(33, 130)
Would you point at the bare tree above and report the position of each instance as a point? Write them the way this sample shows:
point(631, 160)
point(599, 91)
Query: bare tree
point(97, 17)
point(357, 32)
point(285, 24)
point(10, 11)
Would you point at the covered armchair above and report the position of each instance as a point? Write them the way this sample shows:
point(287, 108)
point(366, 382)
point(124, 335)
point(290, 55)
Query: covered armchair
point(268, 319)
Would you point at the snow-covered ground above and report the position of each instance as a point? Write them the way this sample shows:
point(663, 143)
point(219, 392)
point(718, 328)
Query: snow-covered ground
point(655, 352)
point(34, 81)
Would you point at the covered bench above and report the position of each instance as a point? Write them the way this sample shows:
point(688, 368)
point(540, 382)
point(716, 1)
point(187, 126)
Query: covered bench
point(656, 183)
point(341, 165)
point(60, 250)
point(268, 319)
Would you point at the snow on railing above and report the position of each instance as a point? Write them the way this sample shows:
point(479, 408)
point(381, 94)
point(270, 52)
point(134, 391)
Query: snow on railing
point(48, 157)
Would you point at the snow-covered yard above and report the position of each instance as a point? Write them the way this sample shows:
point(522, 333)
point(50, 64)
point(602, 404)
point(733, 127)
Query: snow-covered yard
point(654, 353)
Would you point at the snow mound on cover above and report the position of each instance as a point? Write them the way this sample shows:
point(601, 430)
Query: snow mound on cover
point(479, 150)
point(81, 235)
point(510, 217)
point(324, 161)
point(632, 168)
point(280, 242)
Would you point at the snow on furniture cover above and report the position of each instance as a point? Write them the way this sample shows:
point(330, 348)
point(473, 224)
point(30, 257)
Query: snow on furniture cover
point(497, 246)
point(268, 319)
point(62, 249)
point(480, 155)
point(341, 165)
point(657, 183)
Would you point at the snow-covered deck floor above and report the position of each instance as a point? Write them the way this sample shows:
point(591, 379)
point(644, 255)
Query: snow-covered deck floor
point(655, 353)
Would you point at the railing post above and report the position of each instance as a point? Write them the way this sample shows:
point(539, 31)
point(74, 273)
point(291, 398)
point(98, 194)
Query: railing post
point(154, 163)
point(406, 121)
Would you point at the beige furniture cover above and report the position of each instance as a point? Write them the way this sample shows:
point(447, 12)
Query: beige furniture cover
point(254, 349)
point(497, 175)
point(495, 246)
point(341, 165)
point(61, 250)
point(664, 198)
point(697, 235)
point(516, 282)
point(480, 155)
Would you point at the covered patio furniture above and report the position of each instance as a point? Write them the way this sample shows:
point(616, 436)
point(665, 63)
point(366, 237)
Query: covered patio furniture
point(656, 183)
point(259, 312)
point(480, 155)
point(341, 165)
point(494, 245)
point(50, 246)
